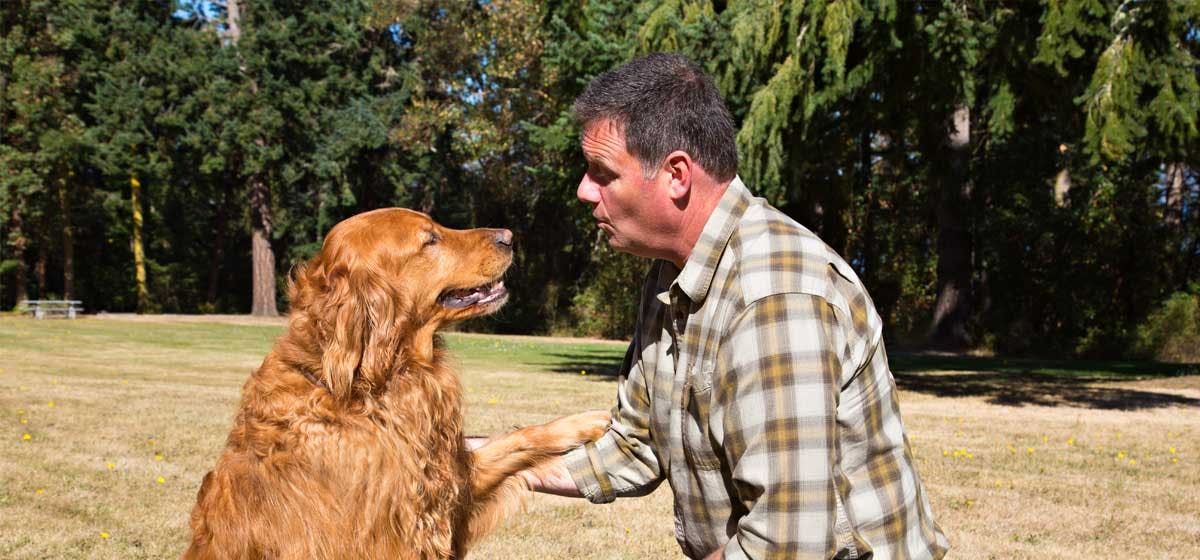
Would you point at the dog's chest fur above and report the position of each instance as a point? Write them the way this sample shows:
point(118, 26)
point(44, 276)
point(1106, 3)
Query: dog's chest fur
point(381, 476)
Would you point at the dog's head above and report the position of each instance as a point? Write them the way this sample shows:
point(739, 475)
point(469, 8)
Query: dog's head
point(384, 281)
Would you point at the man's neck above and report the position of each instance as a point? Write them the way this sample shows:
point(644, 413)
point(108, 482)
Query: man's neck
point(703, 200)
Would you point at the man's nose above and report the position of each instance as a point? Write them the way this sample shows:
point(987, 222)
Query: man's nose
point(587, 191)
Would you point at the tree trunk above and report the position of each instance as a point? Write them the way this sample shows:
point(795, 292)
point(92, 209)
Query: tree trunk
point(68, 241)
point(953, 306)
point(1173, 209)
point(19, 242)
point(1062, 186)
point(218, 249)
point(263, 258)
point(867, 182)
point(39, 266)
point(261, 255)
point(139, 260)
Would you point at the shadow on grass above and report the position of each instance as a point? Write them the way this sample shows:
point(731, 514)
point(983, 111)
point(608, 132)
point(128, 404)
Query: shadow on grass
point(1009, 382)
point(1022, 382)
point(595, 362)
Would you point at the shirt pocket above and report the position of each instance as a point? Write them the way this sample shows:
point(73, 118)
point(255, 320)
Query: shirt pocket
point(698, 446)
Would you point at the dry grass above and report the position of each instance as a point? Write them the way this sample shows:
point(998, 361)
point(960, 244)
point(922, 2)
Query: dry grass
point(1102, 479)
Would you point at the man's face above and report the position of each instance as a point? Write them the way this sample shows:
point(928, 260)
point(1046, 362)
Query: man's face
point(628, 207)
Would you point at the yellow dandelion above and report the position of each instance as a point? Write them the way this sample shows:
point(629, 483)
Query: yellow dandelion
point(1174, 459)
point(1118, 435)
point(24, 420)
point(1172, 450)
point(998, 484)
point(493, 401)
point(1029, 449)
point(1045, 439)
point(158, 457)
point(945, 453)
point(1132, 462)
point(112, 466)
point(1071, 441)
point(41, 491)
point(627, 530)
point(103, 535)
point(970, 502)
point(26, 437)
point(160, 480)
point(151, 442)
point(50, 404)
point(583, 372)
point(124, 381)
point(19, 412)
point(970, 456)
point(1121, 455)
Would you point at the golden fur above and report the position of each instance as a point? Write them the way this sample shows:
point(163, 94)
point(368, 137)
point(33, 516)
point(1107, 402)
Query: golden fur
point(348, 442)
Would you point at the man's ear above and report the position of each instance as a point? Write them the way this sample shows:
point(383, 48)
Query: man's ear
point(679, 166)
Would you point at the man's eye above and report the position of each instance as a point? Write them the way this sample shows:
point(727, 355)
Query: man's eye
point(600, 176)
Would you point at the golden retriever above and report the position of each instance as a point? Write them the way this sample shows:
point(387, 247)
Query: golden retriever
point(348, 442)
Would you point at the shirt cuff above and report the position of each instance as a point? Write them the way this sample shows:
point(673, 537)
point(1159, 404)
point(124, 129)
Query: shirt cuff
point(589, 474)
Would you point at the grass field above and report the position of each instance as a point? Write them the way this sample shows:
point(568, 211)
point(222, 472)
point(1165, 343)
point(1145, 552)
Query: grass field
point(108, 425)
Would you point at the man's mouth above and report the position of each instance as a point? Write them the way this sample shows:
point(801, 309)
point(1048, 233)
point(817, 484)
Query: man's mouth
point(487, 293)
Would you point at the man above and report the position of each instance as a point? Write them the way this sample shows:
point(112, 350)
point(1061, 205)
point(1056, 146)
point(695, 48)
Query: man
point(757, 384)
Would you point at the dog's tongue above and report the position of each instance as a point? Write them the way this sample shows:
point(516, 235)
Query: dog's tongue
point(471, 296)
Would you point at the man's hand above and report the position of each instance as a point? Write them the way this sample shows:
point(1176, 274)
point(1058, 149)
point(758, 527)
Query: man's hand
point(716, 554)
point(551, 478)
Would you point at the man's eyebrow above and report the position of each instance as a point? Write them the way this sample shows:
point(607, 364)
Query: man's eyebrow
point(596, 162)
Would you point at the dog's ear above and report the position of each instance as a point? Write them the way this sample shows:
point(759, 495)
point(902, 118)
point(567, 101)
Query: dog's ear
point(362, 339)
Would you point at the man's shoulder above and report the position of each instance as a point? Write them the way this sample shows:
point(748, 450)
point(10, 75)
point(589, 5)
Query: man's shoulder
point(770, 254)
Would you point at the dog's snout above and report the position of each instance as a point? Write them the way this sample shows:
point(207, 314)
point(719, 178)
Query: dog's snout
point(503, 238)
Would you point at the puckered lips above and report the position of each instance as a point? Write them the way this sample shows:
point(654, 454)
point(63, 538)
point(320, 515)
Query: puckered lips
point(492, 292)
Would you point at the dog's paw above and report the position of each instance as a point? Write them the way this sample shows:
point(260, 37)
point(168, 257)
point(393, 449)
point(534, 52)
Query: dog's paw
point(584, 426)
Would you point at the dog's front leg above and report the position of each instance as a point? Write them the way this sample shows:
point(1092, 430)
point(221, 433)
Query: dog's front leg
point(501, 457)
point(496, 490)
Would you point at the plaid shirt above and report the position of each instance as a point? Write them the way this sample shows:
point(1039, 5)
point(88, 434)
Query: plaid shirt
point(758, 387)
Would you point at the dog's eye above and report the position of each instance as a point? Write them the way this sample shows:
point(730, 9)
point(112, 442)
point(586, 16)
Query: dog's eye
point(432, 238)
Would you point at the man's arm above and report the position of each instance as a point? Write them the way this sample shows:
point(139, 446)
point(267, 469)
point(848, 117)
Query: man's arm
point(776, 398)
point(622, 462)
point(552, 478)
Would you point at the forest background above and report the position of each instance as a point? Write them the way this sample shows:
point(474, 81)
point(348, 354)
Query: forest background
point(1010, 176)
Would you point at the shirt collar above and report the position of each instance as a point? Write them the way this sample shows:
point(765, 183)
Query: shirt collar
point(696, 277)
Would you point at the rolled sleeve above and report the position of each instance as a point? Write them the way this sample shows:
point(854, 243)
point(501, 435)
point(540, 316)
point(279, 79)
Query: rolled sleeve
point(779, 394)
point(622, 463)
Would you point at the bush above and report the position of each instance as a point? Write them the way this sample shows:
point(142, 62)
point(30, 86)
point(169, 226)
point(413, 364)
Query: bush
point(607, 304)
point(1172, 333)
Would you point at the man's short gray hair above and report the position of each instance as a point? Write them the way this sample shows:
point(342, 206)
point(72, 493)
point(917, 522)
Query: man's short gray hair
point(664, 102)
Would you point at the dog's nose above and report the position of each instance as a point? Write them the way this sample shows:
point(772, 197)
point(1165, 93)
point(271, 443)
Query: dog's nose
point(503, 238)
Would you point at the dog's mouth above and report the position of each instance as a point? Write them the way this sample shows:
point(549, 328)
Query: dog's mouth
point(479, 295)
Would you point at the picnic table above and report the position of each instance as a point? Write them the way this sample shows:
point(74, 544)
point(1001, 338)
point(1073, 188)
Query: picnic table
point(42, 308)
